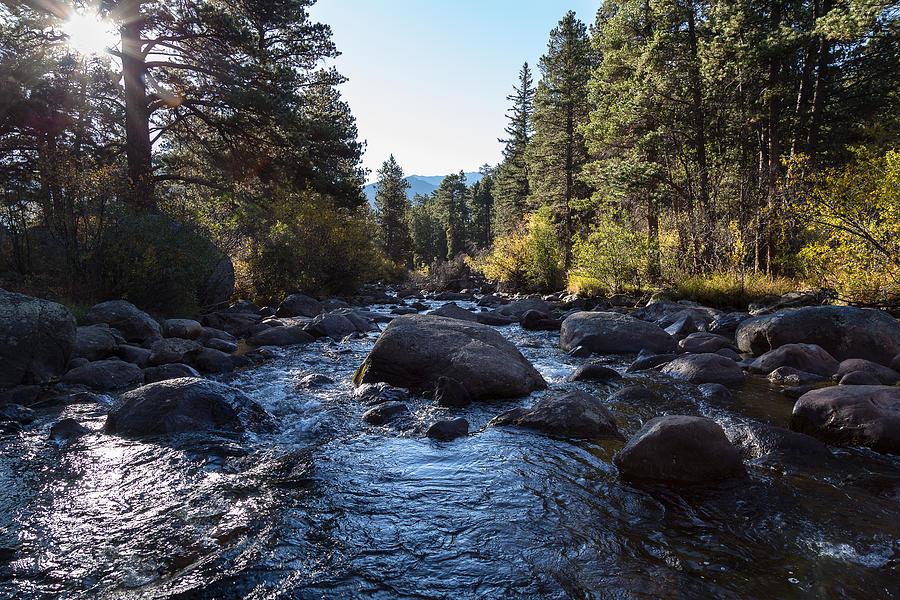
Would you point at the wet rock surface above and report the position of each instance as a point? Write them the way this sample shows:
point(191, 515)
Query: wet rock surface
point(867, 415)
point(570, 414)
point(613, 333)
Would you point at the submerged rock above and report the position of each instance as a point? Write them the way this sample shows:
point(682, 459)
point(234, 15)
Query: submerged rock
point(444, 431)
point(376, 393)
point(38, 339)
point(757, 440)
point(593, 372)
point(705, 368)
point(866, 415)
point(183, 405)
point(679, 449)
point(571, 414)
point(67, 430)
point(613, 333)
point(382, 413)
point(415, 351)
point(843, 331)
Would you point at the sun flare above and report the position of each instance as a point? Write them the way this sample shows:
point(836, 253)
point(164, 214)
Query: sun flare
point(89, 35)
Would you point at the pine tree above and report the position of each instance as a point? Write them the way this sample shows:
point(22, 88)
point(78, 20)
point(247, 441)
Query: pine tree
point(451, 198)
point(557, 152)
point(481, 207)
point(392, 209)
point(512, 189)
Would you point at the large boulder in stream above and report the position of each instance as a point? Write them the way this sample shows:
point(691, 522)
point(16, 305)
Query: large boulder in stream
point(134, 324)
point(613, 333)
point(865, 415)
point(184, 405)
point(679, 449)
point(37, 338)
point(299, 305)
point(95, 342)
point(109, 374)
point(415, 351)
point(843, 331)
point(570, 414)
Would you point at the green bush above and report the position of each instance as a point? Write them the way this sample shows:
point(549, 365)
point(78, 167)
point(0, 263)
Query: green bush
point(612, 254)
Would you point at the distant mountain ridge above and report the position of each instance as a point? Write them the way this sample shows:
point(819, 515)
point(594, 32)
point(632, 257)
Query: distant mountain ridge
point(421, 184)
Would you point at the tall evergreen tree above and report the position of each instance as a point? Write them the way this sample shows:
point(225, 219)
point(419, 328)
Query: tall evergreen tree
point(451, 198)
point(557, 152)
point(481, 207)
point(512, 189)
point(392, 208)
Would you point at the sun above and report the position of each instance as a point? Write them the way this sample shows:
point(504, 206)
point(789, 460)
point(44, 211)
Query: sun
point(89, 35)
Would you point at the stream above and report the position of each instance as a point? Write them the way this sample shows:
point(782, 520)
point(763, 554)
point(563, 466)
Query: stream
point(329, 507)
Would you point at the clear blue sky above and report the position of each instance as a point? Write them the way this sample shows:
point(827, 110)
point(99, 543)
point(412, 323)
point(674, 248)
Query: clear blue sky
point(429, 78)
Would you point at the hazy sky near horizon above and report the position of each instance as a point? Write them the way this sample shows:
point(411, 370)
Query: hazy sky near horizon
point(428, 79)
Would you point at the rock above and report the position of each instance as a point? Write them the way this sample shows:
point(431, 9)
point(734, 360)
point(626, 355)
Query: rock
point(729, 354)
point(538, 321)
point(494, 319)
point(404, 310)
point(110, 374)
point(570, 414)
point(859, 378)
point(842, 331)
point(234, 323)
point(313, 380)
point(728, 323)
point(517, 308)
point(453, 311)
point(95, 342)
point(758, 440)
point(622, 301)
point(684, 325)
point(333, 304)
point(173, 350)
point(21, 394)
point(771, 304)
point(134, 324)
point(382, 413)
point(219, 285)
point(281, 336)
point(134, 354)
point(451, 393)
point(299, 305)
point(37, 339)
point(210, 333)
point(865, 415)
point(705, 368)
point(895, 363)
point(679, 449)
point(613, 333)
point(170, 371)
point(67, 430)
point(793, 377)
point(650, 361)
point(17, 413)
point(377, 393)
point(702, 343)
point(363, 320)
point(77, 362)
point(654, 311)
point(444, 431)
point(634, 394)
point(221, 345)
point(883, 375)
point(593, 372)
point(209, 360)
point(803, 357)
point(579, 352)
point(492, 300)
point(715, 392)
point(184, 405)
point(414, 351)
point(181, 328)
point(452, 296)
point(330, 325)
point(796, 392)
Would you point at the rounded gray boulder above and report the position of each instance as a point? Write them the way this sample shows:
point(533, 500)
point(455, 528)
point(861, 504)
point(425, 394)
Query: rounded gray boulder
point(613, 333)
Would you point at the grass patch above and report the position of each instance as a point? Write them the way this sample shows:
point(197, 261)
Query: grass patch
point(729, 290)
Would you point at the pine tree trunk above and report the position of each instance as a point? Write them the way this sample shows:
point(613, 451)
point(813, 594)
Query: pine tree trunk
point(137, 115)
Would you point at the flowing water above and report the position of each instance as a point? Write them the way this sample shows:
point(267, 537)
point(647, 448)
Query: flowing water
point(328, 507)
